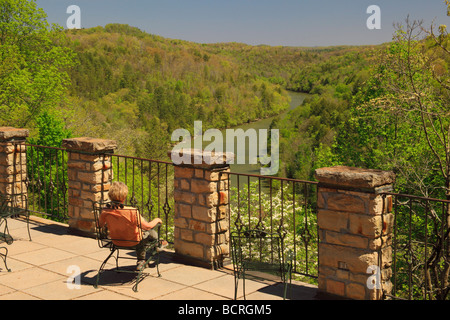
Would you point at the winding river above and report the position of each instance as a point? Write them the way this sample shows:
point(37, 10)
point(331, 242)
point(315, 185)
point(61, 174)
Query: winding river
point(296, 100)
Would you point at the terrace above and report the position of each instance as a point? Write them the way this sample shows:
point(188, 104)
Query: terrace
point(350, 235)
point(41, 269)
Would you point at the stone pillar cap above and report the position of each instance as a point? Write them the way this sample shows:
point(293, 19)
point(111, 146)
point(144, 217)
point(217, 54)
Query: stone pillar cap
point(201, 158)
point(9, 133)
point(354, 177)
point(87, 144)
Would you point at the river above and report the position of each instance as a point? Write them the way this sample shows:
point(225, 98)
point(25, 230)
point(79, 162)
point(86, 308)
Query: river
point(296, 100)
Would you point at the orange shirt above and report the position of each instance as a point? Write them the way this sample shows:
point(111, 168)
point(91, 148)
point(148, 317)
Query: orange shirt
point(123, 226)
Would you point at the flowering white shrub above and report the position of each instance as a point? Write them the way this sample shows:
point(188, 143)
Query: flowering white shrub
point(253, 207)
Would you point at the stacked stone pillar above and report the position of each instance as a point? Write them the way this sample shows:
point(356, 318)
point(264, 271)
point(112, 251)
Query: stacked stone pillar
point(201, 216)
point(355, 225)
point(89, 178)
point(13, 165)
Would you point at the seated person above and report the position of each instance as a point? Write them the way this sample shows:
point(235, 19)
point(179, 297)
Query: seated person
point(122, 223)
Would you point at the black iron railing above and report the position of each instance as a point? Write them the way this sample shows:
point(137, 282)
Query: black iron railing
point(150, 185)
point(420, 248)
point(47, 181)
point(420, 237)
point(285, 206)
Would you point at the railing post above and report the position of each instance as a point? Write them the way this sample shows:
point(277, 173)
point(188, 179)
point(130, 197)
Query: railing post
point(201, 209)
point(13, 164)
point(89, 176)
point(355, 224)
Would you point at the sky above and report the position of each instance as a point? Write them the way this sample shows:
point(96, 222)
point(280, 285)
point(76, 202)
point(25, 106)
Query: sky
point(272, 22)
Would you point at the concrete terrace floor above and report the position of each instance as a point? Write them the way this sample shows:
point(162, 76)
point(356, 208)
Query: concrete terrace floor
point(40, 270)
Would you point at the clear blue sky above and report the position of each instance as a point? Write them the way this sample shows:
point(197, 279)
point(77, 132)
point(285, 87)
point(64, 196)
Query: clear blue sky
point(272, 22)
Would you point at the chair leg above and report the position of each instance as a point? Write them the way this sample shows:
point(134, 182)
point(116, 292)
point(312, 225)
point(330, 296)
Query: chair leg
point(243, 284)
point(117, 258)
point(135, 287)
point(141, 269)
point(290, 285)
point(4, 258)
point(286, 284)
point(236, 283)
point(6, 235)
point(28, 225)
point(157, 264)
point(154, 253)
point(103, 265)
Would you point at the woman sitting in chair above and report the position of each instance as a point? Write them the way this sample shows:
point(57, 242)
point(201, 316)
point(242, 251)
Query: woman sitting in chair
point(123, 223)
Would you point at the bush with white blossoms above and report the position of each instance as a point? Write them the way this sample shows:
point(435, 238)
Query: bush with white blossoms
point(254, 207)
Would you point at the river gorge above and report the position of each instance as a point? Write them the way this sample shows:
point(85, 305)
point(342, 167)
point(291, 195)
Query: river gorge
point(245, 161)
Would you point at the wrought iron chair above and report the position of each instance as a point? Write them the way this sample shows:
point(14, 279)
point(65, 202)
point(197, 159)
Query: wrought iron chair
point(260, 251)
point(13, 206)
point(115, 245)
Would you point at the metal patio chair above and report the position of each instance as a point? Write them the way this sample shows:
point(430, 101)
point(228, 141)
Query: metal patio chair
point(116, 245)
point(259, 253)
point(12, 206)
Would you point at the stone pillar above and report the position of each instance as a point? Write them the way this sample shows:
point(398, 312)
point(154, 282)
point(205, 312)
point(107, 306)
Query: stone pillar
point(355, 225)
point(13, 164)
point(89, 177)
point(201, 216)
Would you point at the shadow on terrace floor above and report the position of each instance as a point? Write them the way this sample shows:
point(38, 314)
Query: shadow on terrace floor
point(45, 268)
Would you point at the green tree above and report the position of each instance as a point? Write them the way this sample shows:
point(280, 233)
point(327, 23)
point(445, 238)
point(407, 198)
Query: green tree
point(51, 130)
point(47, 167)
point(33, 63)
point(400, 122)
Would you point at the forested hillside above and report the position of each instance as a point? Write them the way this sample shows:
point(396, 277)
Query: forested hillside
point(303, 69)
point(332, 76)
point(137, 88)
point(382, 106)
point(121, 83)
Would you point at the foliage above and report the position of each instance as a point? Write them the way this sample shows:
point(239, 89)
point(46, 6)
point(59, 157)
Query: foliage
point(253, 206)
point(310, 129)
point(50, 130)
point(33, 63)
point(47, 167)
point(400, 122)
point(137, 88)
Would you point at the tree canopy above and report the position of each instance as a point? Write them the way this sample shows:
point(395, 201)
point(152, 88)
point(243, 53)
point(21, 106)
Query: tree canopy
point(34, 60)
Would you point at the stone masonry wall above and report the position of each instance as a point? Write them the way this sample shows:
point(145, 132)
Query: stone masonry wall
point(13, 164)
point(89, 178)
point(201, 213)
point(352, 217)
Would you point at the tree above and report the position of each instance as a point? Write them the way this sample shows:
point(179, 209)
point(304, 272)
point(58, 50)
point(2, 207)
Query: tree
point(47, 167)
point(51, 130)
point(415, 78)
point(400, 121)
point(33, 63)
